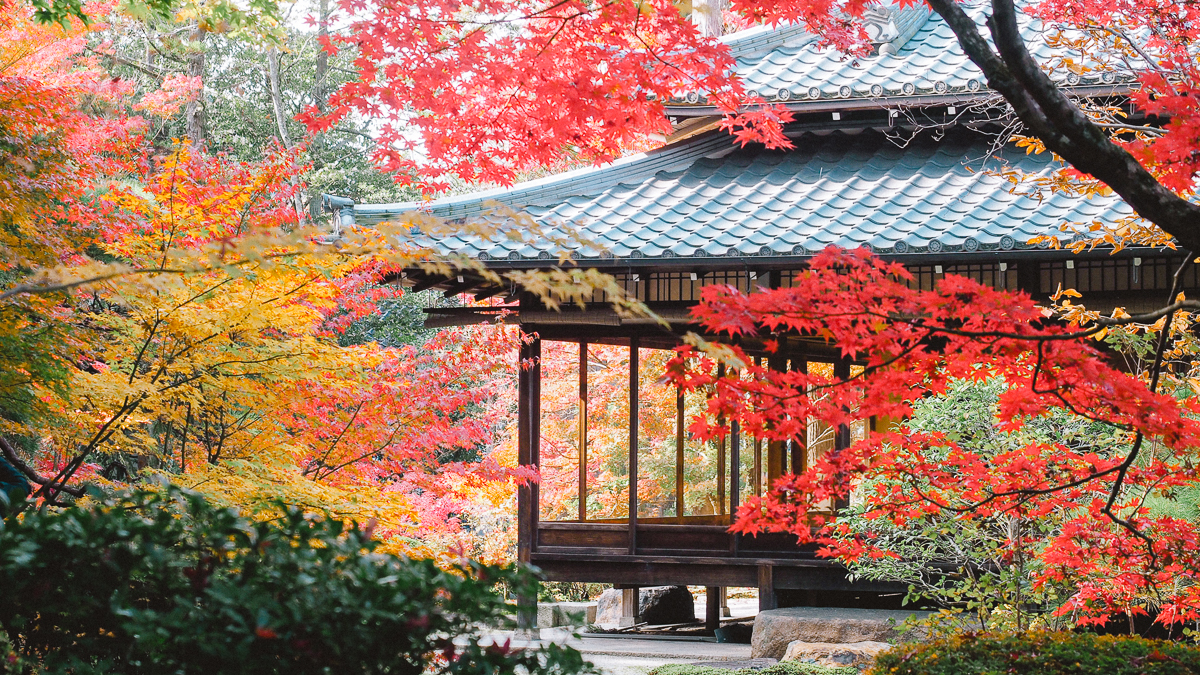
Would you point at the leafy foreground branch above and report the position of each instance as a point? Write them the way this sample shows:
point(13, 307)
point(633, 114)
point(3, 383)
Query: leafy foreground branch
point(165, 582)
point(1041, 654)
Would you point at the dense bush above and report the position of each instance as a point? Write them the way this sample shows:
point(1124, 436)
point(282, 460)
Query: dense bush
point(782, 668)
point(1040, 654)
point(166, 582)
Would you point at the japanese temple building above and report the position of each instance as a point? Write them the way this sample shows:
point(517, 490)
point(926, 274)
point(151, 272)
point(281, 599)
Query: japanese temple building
point(896, 152)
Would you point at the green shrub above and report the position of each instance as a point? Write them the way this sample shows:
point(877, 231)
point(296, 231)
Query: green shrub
point(166, 583)
point(782, 668)
point(1040, 654)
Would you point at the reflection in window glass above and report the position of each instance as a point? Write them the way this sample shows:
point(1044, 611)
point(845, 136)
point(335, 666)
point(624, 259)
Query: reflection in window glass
point(608, 432)
point(820, 438)
point(701, 495)
point(657, 410)
point(558, 494)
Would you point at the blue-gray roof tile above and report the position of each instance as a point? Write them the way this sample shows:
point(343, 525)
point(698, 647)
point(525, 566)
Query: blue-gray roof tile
point(920, 57)
point(843, 189)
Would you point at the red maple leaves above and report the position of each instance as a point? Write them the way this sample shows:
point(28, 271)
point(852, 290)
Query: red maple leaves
point(914, 343)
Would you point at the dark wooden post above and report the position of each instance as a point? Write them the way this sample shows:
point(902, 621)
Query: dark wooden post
point(735, 481)
point(528, 440)
point(633, 443)
point(758, 473)
point(712, 607)
point(583, 428)
point(735, 468)
point(679, 431)
point(766, 588)
point(630, 606)
point(841, 440)
point(776, 458)
point(721, 459)
point(800, 443)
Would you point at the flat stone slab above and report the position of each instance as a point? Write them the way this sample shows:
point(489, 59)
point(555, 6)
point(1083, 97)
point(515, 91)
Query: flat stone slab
point(775, 629)
point(552, 614)
point(753, 664)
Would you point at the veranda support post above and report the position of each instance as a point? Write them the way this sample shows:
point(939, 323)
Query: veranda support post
point(679, 431)
point(633, 443)
point(529, 415)
point(583, 428)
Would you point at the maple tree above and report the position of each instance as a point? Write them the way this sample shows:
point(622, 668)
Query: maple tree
point(1116, 552)
point(168, 314)
point(498, 86)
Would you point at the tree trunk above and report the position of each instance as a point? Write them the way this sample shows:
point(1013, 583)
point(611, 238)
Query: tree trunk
point(194, 114)
point(1048, 113)
point(706, 14)
point(277, 97)
point(285, 138)
point(320, 99)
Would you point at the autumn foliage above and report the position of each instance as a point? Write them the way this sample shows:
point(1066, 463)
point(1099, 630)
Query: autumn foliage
point(914, 343)
point(167, 313)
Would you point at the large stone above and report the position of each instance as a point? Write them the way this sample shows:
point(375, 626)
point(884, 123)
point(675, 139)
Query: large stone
point(551, 614)
point(657, 605)
point(608, 607)
point(860, 655)
point(775, 629)
point(666, 604)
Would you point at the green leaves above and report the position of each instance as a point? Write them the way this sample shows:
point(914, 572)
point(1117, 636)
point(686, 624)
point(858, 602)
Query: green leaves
point(1041, 654)
point(166, 582)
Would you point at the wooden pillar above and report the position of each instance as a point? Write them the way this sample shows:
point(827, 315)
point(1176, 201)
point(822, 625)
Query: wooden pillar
point(758, 473)
point(721, 459)
point(583, 428)
point(841, 440)
point(630, 606)
point(735, 468)
point(758, 469)
point(776, 459)
point(529, 415)
point(633, 444)
point(800, 443)
point(712, 606)
point(766, 588)
point(679, 436)
point(725, 613)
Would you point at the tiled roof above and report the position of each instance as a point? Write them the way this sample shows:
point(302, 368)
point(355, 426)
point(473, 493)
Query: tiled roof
point(928, 196)
point(554, 188)
point(920, 57)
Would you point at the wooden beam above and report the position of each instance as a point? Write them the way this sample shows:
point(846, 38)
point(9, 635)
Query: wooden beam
point(468, 282)
point(633, 443)
point(583, 428)
point(427, 283)
point(486, 293)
